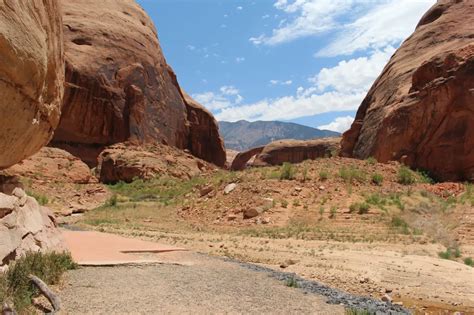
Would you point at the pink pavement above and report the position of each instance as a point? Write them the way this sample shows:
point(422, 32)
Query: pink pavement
point(95, 248)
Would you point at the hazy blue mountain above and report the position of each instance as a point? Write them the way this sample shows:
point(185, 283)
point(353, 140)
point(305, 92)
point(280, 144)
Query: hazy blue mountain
point(243, 135)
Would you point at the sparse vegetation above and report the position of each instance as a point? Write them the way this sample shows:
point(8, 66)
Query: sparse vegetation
point(377, 179)
point(42, 199)
point(398, 223)
point(323, 175)
point(292, 283)
point(359, 207)
point(468, 261)
point(355, 311)
point(332, 213)
point(351, 174)
point(287, 171)
point(406, 176)
point(15, 285)
point(284, 203)
point(450, 253)
point(371, 161)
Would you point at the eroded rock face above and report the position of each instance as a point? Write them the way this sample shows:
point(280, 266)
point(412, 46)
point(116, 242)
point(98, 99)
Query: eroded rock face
point(296, 151)
point(24, 224)
point(31, 76)
point(421, 109)
point(127, 162)
point(204, 140)
point(241, 159)
point(118, 84)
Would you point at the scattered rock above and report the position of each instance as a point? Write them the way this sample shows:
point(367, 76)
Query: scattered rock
point(250, 213)
point(229, 188)
point(203, 191)
point(386, 298)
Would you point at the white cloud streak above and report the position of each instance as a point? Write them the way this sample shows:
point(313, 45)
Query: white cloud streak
point(340, 124)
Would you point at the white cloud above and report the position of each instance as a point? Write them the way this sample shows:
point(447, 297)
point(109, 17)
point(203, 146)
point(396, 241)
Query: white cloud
point(266, 16)
point(385, 24)
point(340, 88)
point(278, 82)
point(227, 96)
point(191, 47)
point(240, 59)
point(340, 124)
point(239, 8)
point(354, 74)
point(359, 24)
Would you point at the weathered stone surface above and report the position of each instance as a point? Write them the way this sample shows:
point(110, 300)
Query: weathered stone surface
point(240, 161)
point(52, 164)
point(118, 84)
point(25, 226)
point(204, 140)
point(119, 87)
point(31, 76)
point(296, 151)
point(128, 161)
point(421, 109)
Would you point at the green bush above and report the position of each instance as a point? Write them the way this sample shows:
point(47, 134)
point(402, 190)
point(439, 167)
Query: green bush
point(355, 311)
point(16, 285)
point(400, 224)
point(292, 283)
point(371, 160)
point(42, 199)
point(284, 204)
point(287, 171)
point(450, 253)
point(359, 207)
point(323, 175)
point(377, 179)
point(468, 261)
point(405, 176)
point(351, 174)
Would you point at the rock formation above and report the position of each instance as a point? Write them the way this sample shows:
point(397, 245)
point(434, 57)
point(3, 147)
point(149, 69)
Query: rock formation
point(204, 140)
point(296, 151)
point(120, 88)
point(420, 110)
point(293, 151)
point(127, 161)
point(24, 224)
point(31, 76)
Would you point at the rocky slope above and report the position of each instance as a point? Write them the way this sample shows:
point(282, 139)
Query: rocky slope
point(243, 135)
point(118, 84)
point(31, 77)
point(420, 109)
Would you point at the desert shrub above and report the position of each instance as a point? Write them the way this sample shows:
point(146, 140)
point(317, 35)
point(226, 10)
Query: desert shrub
point(296, 203)
point(377, 179)
point(400, 224)
point(49, 267)
point(468, 196)
point(42, 199)
point(376, 200)
point(351, 174)
point(112, 201)
point(305, 173)
point(332, 212)
point(292, 282)
point(284, 204)
point(468, 261)
point(450, 252)
point(425, 177)
point(323, 175)
point(287, 171)
point(405, 176)
point(371, 161)
point(355, 311)
point(359, 207)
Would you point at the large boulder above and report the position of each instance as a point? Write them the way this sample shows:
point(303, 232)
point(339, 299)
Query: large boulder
point(421, 108)
point(296, 151)
point(32, 76)
point(24, 224)
point(120, 88)
point(129, 161)
point(204, 140)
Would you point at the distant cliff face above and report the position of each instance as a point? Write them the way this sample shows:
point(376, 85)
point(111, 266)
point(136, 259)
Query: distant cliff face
point(421, 109)
point(118, 84)
point(243, 135)
point(31, 77)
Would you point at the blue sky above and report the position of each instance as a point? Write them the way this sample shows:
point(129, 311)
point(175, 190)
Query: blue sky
point(306, 61)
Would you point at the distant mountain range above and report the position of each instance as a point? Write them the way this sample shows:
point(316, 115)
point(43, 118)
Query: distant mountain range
point(243, 135)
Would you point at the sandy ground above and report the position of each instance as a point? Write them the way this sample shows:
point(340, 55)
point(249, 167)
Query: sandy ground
point(411, 274)
point(198, 285)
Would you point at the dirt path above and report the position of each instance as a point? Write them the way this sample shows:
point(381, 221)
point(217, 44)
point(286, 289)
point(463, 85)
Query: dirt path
point(198, 284)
